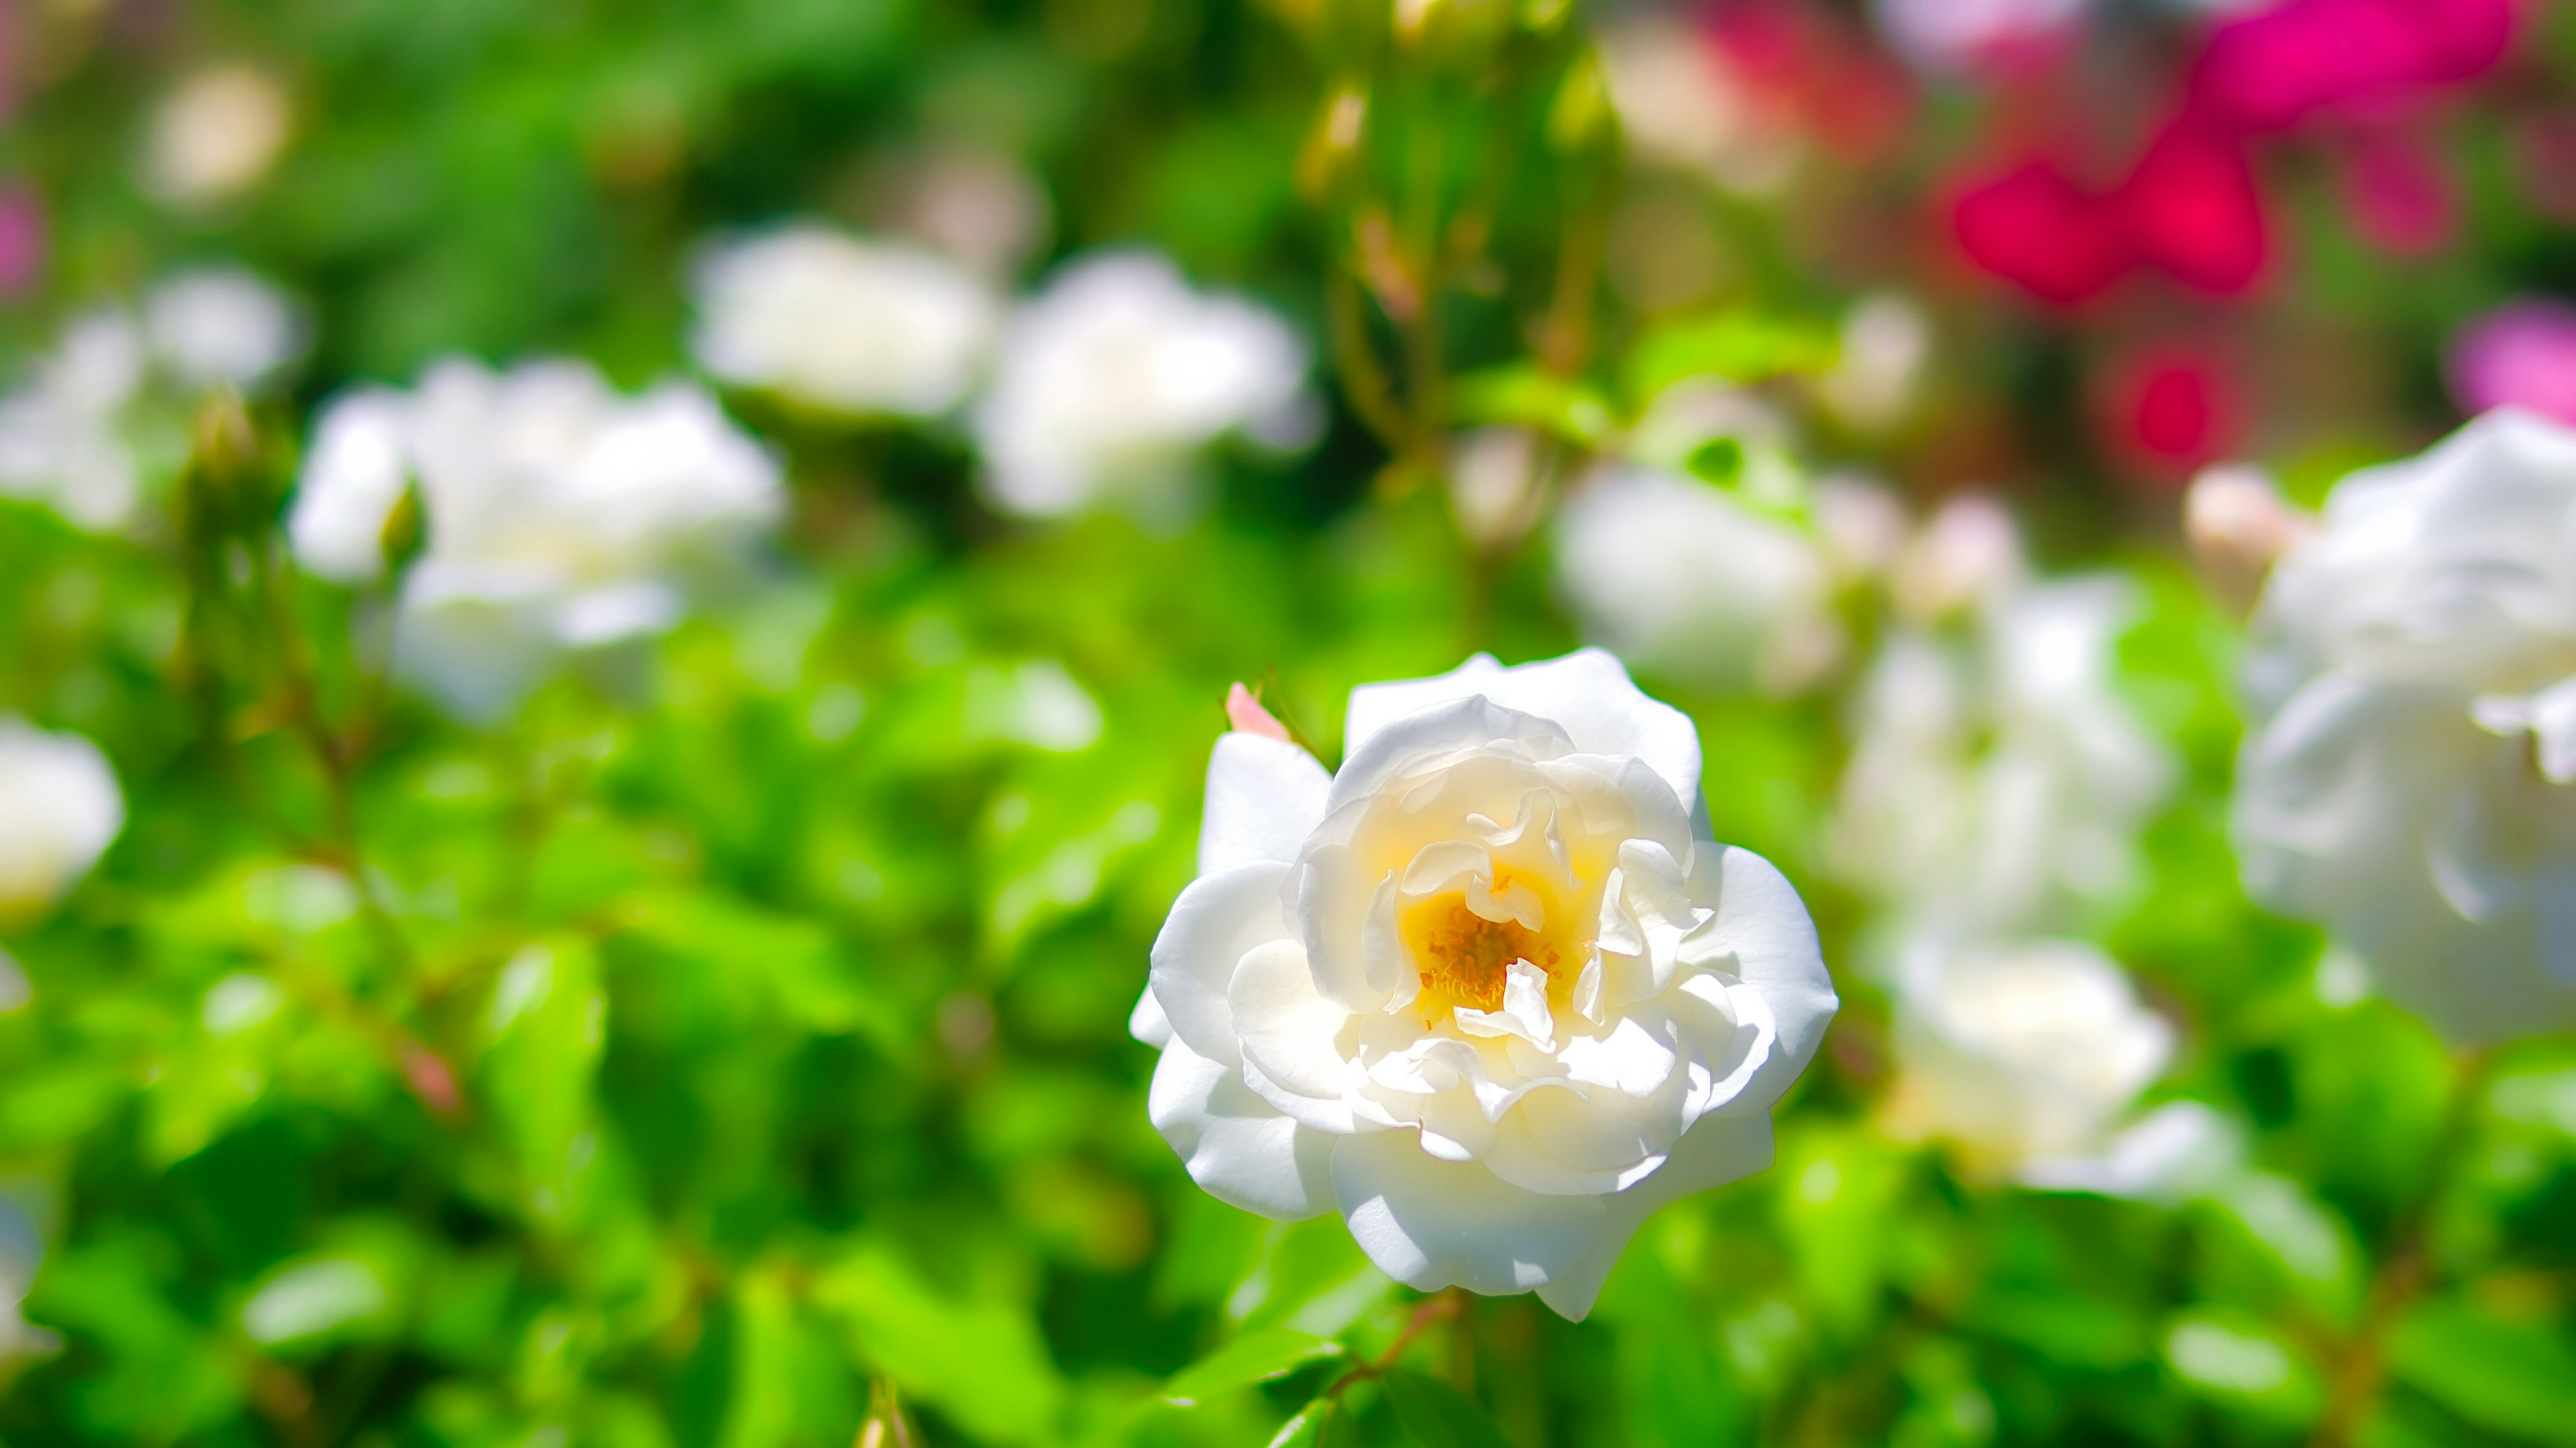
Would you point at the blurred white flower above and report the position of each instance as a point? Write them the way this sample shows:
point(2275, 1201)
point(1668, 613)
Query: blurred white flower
point(75, 436)
point(1681, 103)
point(1491, 991)
point(220, 325)
point(1861, 523)
point(1967, 556)
point(2239, 526)
point(1997, 781)
point(560, 516)
point(848, 325)
point(2410, 779)
point(61, 439)
point(217, 134)
point(1682, 577)
point(984, 209)
point(1966, 35)
point(59, 810)
point(1886, 339)
point(1118, 374)
point(2026, 1057)
point(1493, 475)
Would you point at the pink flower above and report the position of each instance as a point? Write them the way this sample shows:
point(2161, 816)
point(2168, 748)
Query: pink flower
point(2522, 354)
point(2398, 191)
point(2270, 70)
point(2170, 410)
point(2190, 209)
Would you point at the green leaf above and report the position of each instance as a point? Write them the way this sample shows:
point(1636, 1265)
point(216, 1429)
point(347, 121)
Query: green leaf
point(1256, 1357)
point(2240, 1363)
point(1436, 1415)
point(546, 1024)
point(1734, 346)
point(1314, 1426)
point(2512, 1377)
point(981, 1363)
point(1525, 395)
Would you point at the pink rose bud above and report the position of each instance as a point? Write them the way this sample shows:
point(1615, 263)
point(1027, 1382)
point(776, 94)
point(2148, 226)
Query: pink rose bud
point(1249, 717)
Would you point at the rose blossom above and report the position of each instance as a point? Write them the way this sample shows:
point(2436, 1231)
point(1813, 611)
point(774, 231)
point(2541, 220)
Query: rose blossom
point(1491, 991)
point(559, 516)
point(2410, 777)
point(1113, 378)
point(110, 406)
point(1681, 576)
point(848, 325)
point(59, 811)
point(1997, 779)
point(2025, 1056)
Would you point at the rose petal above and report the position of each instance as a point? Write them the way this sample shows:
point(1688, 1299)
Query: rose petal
point(1587, 693)
point(1431, 1224)
point(1264, 797)
point(1286, 1028)
point(1718, 1150)
point(1236, 1147)
point(1215, 921)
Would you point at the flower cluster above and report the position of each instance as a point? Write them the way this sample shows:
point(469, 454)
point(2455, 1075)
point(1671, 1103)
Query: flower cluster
point(1103, 387)
point(106, 412)
point(553, 515)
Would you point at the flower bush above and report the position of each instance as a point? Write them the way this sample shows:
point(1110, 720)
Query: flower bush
point(743, 724)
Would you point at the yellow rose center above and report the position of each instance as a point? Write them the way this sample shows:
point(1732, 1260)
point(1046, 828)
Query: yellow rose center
point(1464, 958)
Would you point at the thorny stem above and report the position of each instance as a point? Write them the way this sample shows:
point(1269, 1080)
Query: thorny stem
point(1363, 380)
point(1446, 1304)
point(2406, 1267)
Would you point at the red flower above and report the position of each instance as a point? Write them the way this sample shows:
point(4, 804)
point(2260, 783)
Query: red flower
point(2172, 410)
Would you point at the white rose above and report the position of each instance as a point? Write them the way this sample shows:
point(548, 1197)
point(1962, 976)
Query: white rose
point(1491, 991)
point(852, 326)
point(2026, 1055)
point(61, 442)
point(117, 390)
point(2411, 775)
point(59, 811)
point(560, 516)
point(1998, 782)
point(1118, 374)
point(1680, 577)
point(222, 326)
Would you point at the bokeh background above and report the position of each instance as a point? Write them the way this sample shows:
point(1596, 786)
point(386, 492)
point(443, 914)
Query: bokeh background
point(723, 1038)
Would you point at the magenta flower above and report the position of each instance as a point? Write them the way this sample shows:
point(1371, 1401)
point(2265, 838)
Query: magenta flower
point(2270, 70)
point(2522, 354)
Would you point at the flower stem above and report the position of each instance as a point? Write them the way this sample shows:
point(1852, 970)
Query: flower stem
point(2405, 1267)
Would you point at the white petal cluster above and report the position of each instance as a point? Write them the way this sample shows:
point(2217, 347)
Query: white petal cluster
point(1491, 991)
point(59, 811)
point(2411, 777)
point(865, 328)
point(80, 433)
point(1687, 579)
point(1997, 782)
point(559, 515)
point(1994, 796)
point(2025, 1057)
point(1115, 376)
